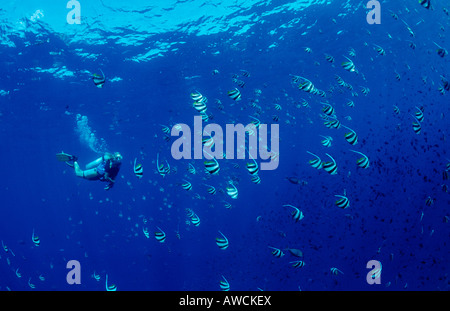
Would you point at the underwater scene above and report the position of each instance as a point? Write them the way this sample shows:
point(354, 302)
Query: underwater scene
point(232, 145)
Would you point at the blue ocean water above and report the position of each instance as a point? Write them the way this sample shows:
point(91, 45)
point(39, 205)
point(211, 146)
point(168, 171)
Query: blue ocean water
point(154, 54)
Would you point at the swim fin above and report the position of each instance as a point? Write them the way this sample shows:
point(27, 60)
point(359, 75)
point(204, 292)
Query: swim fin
point(64, 157)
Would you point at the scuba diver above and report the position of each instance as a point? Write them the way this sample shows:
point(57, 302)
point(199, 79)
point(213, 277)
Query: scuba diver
point(104, 168)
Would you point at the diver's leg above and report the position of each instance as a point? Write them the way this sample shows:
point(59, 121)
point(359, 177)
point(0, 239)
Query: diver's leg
point(90, 174)
point(94, 163)
point(71, 159)
point(78, 171)
point(87, 174)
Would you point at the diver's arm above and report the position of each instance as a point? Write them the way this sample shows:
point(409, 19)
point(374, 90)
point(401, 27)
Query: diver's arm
point(111, 181)
point(109, 186)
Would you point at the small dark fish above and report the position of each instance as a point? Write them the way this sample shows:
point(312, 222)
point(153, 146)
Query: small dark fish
point(342, 202)
point(35, 239)
point(351, 136)
point(419, 114)
point(295, 252)
point(425, 3)
point(277, 252)
point(396, 110)
point(445, 83)
point(330, 167)
point(99, 80)
point(298, 264)
point(293, 180)
point(329, 58)
point(186, 185)
point(138, 169)
point(234, 94)
point(442, 52)
point(296, 213)
point(160, 236)
point(240, 83)
point(222, 242)
point(416, 126)
point(245, 73)
point(256, 179)
point(224, 285)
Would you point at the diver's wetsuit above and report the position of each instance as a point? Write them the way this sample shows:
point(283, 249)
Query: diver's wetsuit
point(110, 167)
